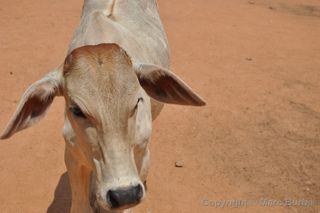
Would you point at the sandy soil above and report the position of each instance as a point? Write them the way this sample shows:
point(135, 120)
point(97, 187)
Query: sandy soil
point(257, 64)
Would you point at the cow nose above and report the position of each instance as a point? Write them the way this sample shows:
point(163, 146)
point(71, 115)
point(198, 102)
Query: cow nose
point(124, 196)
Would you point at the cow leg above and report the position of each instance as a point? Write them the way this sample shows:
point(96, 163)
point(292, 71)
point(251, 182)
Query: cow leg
point(79, 178)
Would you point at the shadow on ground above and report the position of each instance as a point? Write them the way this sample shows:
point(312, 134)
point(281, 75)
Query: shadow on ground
point(62, 196)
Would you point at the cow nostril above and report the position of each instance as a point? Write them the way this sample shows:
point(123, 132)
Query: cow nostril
point(138, 192)
point(125, 196)
point(112, 199)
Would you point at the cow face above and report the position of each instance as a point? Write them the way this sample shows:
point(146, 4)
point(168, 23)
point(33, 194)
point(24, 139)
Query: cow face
point(108, 116)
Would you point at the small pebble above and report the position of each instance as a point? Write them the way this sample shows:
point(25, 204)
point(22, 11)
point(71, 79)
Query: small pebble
point(179, 164)
point(249, 59)
point(11, 73)
point(251, 2)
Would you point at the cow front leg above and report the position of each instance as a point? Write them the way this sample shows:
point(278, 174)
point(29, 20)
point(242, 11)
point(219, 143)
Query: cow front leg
point(79, 178)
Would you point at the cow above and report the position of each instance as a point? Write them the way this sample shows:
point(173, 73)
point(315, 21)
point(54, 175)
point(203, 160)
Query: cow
point(115, 80)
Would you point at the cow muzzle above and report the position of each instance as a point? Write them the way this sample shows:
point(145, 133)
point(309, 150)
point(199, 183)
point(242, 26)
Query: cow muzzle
point(126, 197)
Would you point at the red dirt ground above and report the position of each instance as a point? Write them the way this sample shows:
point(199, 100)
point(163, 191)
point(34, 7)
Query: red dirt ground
point(257, 63)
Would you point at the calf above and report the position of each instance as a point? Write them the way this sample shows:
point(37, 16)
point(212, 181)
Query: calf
point(114, 80)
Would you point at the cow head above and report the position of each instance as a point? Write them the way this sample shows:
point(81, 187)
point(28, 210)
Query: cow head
point(108, 112)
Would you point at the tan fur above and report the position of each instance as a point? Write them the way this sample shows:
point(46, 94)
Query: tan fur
point(101, 80)
point(117, 60)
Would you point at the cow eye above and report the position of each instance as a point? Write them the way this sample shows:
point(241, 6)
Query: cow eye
point(77, 111)
point(140, 100)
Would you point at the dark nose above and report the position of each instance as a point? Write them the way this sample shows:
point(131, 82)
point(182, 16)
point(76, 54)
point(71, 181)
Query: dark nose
point(124, 196)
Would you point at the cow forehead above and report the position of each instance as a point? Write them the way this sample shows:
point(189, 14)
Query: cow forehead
point(94, 55)
point(102, 76)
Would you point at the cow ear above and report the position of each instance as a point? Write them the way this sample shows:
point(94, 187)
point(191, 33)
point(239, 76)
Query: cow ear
point(164, 86)
point(34, 103)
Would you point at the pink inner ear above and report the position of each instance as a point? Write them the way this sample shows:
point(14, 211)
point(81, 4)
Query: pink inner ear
point(164, 86)
point(37, 105)
point(39, 99)
point(32, 107)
